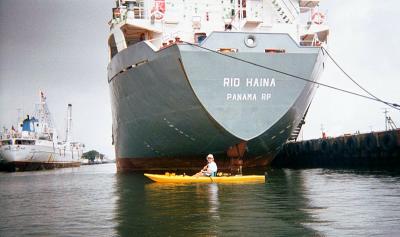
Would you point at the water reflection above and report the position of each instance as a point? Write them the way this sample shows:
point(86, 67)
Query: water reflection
point(213, 200)
point(94, 201)
point(63, 202)
point(354, 203)
point(275, 208)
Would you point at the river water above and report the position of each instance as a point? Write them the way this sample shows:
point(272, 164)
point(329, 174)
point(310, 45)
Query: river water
point(96, 201)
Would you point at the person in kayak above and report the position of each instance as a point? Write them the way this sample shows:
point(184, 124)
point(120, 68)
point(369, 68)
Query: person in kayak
point(210, 169)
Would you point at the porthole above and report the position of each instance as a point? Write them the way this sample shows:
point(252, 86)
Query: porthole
point(250, 41)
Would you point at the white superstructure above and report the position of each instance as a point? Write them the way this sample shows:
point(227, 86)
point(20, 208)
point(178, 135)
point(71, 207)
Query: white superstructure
point(162, 22)
point(34, 144)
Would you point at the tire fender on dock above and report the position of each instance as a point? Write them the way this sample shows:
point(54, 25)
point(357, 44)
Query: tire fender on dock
point(324, 146)
point(351, 144)
point(290, 149)
point(298, 148)
point(388, 140)
point(337, 145)
point(398, 137)
point(370, 142)
point(308, 146)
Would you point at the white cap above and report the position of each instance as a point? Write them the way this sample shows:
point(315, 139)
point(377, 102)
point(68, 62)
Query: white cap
point(210, 156)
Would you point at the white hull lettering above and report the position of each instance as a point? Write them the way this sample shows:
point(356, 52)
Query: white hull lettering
point(241, 97)
point(249, 82)
point(260, 82)
point(266, 96)
point(231, 82)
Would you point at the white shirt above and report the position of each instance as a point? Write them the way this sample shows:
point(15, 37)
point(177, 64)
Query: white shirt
point(212, 166)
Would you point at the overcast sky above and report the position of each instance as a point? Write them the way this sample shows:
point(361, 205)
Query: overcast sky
point(365, 41)
point(60, 47)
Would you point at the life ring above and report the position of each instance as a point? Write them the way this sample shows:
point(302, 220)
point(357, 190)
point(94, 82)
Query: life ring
point(157, 15)
point(369, 142)
point(388, 141)
point(318, 18)
point(157, 12)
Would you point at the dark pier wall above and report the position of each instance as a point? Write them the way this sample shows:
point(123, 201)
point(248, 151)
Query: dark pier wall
point(368, 150)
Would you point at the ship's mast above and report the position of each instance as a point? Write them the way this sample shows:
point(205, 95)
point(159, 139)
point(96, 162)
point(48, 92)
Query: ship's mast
point(42, 113)
point(389, 123)
point(68, 132)
point(19, 117)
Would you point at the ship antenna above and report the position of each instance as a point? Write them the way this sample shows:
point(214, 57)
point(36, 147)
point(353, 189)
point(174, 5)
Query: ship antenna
point(389, 123)
point(19, 116)
point(68, 135)
point(42, 113)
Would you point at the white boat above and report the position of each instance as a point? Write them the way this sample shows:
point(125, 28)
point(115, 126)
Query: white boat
point(34, 143)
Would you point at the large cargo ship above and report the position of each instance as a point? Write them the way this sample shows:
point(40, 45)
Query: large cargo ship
point(193, 77)
point(34, 144)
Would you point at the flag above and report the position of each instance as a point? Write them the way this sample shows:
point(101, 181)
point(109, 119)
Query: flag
point(42, 95)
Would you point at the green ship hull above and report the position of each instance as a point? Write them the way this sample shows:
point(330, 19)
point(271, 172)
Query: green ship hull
point(174, 106)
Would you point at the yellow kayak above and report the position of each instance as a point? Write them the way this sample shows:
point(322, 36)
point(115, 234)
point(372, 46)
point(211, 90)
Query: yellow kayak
point(191, 179)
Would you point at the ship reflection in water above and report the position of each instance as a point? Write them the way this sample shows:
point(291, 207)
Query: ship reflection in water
point(213, 201)
point(95, 201)
point(274, 208)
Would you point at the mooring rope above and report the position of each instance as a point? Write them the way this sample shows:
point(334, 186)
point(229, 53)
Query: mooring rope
point(371, 97)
